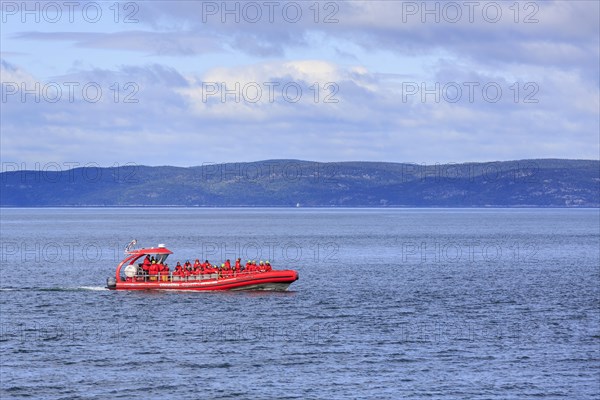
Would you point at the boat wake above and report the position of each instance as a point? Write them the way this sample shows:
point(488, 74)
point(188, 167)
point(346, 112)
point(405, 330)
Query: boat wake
point(95, 288)
point(54, 289)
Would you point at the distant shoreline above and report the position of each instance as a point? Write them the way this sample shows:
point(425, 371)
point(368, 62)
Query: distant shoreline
point(167, 207)
point(535, 183)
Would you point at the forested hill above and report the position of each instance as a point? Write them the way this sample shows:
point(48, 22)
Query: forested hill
point(288, 183)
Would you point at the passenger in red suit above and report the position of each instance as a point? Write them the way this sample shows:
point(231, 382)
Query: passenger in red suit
point(166, 272)
point(225, 272)
point(146, 265)
point(153, 271)
point(178, 273)
point(197, 270)
point(210, 269)
point(162, 275)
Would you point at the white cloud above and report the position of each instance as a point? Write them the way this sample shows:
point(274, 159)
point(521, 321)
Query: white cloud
point(10, 73)
point(172, 53)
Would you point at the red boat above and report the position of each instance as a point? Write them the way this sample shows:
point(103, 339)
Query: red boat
point(136, 278)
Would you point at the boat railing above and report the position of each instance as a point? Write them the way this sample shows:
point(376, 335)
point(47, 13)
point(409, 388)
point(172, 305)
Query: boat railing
point(170, 277)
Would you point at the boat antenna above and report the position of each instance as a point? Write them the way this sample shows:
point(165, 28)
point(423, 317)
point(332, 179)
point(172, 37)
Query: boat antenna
point(130, 245)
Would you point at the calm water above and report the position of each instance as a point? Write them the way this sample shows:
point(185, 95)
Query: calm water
point(480, 304)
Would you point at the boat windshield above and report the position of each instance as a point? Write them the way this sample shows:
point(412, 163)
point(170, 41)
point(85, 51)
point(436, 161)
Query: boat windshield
point(160, 258)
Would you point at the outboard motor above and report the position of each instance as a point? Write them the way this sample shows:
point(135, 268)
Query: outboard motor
point(111, 282)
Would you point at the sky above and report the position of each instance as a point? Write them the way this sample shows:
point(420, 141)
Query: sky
point(186, 83)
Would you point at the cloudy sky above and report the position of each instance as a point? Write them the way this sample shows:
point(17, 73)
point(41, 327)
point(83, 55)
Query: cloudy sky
point(190, 82)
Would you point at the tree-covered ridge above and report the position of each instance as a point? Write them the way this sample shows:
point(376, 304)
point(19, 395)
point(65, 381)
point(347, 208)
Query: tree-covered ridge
point(287, 183)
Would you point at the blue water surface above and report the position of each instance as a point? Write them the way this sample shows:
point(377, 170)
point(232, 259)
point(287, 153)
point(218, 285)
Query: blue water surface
point(391, 303)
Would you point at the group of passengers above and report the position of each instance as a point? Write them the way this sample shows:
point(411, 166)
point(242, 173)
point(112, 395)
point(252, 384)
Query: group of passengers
point(156, 270)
